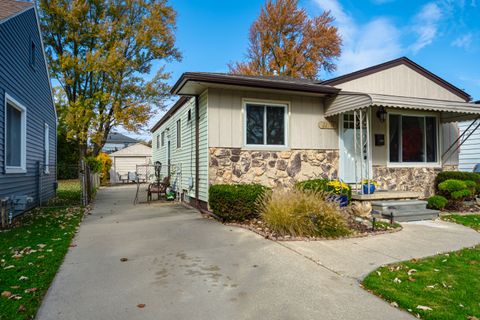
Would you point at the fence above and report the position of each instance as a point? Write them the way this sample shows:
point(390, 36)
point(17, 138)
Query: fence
point(50, 186)
point(66, 185)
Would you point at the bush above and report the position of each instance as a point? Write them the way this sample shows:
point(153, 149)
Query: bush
point(472, 186)
point(325, 185)
point(94, 164)
point(437, 202)
point(458, 175)
point(455, 191)
point(235, 202)
point(302, 213)
point(106, 165)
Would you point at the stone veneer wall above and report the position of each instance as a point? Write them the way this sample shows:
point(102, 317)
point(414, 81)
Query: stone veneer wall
point(270, 168)
point(408, 179)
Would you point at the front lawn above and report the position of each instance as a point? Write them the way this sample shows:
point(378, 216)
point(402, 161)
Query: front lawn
point(30, 255)
point(445, 286)
point(470, 220)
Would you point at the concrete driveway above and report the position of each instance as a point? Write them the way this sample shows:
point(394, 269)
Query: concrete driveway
point(182, 266)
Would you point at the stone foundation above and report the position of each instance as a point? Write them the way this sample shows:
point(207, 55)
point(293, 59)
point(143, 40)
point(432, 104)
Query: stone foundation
point(408, 179)
point(271, 168)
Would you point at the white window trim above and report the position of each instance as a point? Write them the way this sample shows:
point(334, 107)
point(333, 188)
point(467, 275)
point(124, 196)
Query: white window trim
point(23, 140)
point(273, 103)
point(47, 148)
point(414, 164)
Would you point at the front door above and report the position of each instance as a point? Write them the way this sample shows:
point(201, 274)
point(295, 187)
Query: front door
point(348, 158)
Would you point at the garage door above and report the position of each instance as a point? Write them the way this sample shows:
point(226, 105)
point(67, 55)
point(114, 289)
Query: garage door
point(123, 165)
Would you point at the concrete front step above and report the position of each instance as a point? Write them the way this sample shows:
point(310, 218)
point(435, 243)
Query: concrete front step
point(414, 215)
point(396, 205)
point(404, 210)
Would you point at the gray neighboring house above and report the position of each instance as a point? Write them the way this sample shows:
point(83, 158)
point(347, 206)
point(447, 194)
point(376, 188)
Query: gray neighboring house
point(28, 122)
point(117, 141)
point(470, 150)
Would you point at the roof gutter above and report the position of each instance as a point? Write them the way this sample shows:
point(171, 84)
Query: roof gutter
point(250, 82)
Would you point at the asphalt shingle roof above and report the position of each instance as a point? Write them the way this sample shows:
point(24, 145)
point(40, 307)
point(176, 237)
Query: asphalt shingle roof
point(10, 8)
point(116, 137)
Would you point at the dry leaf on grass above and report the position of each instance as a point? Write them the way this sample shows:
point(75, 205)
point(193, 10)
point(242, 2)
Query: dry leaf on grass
point(424, 308)
point(6, 294)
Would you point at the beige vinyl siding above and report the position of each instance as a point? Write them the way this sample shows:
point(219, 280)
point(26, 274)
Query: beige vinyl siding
point(226, 122)
point(399, 81)
point(184, 156)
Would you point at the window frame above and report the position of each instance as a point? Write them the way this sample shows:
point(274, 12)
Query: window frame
point(162, 139)
point(267, 103)
point(46, 148)
point(158, 141)
point(32, 54)
point(179, 133)
point(23, 149)
point(415, 164)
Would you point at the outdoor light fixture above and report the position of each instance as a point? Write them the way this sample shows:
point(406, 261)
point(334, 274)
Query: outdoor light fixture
point(382, 114)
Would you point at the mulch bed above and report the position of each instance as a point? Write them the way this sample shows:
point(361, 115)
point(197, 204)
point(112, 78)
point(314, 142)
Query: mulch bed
point(259, 227)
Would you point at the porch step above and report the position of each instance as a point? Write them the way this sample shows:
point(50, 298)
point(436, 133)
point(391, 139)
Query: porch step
point(405, 216)
point(404, 210)
point(396, 205)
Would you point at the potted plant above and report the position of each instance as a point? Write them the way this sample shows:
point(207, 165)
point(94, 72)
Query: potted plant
point(368, 186)
point(341, 191)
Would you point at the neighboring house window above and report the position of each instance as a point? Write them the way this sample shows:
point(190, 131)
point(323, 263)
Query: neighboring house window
point(158, 141)
point(179, 133)
point(413, 139)
point(15, 133)
point(265, 124)
point(32, 53)
point(163, 139)
point(47, 148)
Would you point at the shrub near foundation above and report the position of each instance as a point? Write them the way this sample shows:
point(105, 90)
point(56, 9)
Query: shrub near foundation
point(301, 213)
point(458, 175)
point(456, 191)
point(437, 202)
point(235, 202)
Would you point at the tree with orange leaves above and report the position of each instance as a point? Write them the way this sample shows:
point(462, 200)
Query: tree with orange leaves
point(285, 41)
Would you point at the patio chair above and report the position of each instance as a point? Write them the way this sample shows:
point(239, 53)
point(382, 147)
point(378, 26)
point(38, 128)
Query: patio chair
point(158, 188)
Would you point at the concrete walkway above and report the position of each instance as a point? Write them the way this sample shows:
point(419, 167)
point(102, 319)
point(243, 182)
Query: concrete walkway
point(182, 266)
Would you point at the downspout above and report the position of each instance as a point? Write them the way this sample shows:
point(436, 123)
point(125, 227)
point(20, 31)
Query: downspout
point(197, 150)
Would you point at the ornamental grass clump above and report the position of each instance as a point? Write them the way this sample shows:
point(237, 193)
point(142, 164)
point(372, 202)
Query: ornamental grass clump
point(302, 213)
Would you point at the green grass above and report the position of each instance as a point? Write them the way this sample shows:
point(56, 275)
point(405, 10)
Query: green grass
point(35, 247)
point(471, 220)
point(449, 284)
point(68, 194)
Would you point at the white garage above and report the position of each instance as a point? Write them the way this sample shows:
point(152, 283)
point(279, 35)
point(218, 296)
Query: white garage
point(127, 159)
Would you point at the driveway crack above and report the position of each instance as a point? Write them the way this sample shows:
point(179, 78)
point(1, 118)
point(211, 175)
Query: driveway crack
point(313, 260)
